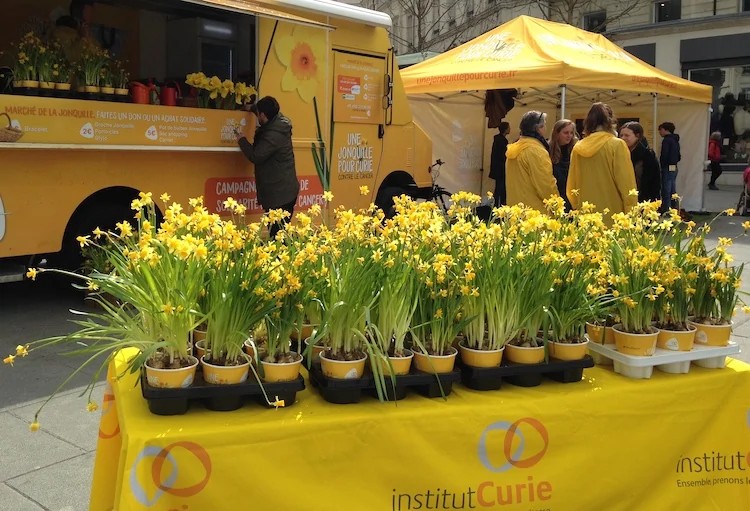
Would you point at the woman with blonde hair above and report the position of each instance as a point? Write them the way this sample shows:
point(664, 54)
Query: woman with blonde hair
point(601, 172)
point(561, 143)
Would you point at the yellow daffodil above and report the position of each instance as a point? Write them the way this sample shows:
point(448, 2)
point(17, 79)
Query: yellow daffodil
point(34, 426)
point(9, 360)
point(32, 273)
point(302, 53)
point(91, 406)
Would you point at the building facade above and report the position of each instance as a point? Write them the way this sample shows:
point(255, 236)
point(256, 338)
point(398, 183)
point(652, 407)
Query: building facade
point(707, 41)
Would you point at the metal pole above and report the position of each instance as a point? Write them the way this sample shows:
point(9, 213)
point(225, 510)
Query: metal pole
point(654, 130)
point(563, 91)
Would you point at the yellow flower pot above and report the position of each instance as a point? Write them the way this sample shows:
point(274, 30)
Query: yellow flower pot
point(435, 364)
point(676, 340)
point(342, 369)
point(400, 365)
point(522, 355)
point(568, 351)
point(480, 358)
point(62, 86)
point(30, 83)
point(91, 88)
point(641, 345)
point(172, 378)
point(224, 375)
point(600, 334)
point(307, 331)
point(712, 335)
point(318, 348)
point(107, 90)
point(281, 371)
point(199, 335)
point(122, 92)
point(46, 85)
point(200, 348)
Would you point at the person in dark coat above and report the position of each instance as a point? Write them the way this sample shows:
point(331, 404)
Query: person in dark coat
point(561, 143)
point(272, 153)
point(645, 163)
point(668, 159)
point(497, 162)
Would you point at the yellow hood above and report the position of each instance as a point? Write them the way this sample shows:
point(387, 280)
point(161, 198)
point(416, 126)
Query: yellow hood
point(515, 148)
point(590, 145)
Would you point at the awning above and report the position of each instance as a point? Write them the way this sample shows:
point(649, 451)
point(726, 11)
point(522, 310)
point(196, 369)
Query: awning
point(245, 7)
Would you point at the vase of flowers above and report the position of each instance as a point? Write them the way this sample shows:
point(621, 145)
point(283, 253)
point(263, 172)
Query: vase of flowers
point(636, 276)
point(239, 293)
point(393, 313)
point(577, 299)
point(439, 316)
point(716, 293)
point(350, 291)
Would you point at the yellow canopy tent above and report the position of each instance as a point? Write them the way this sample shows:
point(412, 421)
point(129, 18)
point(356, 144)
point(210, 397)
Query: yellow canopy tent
point(531, 52)
point(559, 69)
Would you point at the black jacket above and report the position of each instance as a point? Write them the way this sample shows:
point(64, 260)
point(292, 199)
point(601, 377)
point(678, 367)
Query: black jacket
point(273, 156)
point(670, 151)
point(497, 160)
point(647, 173)
point(560, 171)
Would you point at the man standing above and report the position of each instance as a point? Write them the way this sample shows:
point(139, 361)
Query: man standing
point(670, 156)
point(497, 162)
point(272, 153)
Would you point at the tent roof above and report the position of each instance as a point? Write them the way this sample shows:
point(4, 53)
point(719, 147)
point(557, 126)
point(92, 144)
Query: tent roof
point(531, 52)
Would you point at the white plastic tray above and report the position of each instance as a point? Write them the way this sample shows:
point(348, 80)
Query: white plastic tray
point(711, 357)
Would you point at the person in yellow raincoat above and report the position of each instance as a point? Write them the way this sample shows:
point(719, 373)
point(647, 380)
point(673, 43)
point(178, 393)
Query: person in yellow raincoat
point(601, 171)
point(528, 170)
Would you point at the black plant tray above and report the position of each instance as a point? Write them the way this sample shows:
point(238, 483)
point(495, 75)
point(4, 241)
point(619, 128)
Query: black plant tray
point(521, 375)
point(220, 398)
point(350, 391)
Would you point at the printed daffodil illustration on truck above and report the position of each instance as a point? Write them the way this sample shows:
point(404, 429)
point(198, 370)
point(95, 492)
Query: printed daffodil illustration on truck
point(301, 53)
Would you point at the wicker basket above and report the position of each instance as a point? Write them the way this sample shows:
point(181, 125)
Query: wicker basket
point(9, 134)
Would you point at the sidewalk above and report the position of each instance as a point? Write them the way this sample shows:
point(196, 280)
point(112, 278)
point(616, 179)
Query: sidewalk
point(51, 469)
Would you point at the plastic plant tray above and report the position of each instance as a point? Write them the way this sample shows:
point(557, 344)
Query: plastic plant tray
point(351, 391)
point(217, 397)
point(668, 361)
point(521, 375)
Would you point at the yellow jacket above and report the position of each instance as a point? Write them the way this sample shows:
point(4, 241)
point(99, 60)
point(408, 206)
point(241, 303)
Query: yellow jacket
point(528, 174)
point(602, 172)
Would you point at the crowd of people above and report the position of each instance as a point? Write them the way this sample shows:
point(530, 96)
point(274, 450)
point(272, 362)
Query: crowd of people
point(600, 168)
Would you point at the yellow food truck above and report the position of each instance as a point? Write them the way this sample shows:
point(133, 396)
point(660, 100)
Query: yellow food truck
point(83, 156)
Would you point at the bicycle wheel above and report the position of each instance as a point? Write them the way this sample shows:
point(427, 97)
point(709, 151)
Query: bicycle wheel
point(443, 199)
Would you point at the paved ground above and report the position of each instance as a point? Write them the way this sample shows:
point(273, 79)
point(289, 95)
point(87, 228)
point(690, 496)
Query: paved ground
point(51, 469)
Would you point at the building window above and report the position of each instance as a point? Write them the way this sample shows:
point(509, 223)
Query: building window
point(730, 110)
point(668, 10)
point(594, 21)
point(746, 5)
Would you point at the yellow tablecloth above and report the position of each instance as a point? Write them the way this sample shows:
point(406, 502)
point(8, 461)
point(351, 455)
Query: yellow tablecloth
point(674, 442)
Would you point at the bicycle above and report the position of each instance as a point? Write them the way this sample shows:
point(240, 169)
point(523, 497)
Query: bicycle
point(439, 195)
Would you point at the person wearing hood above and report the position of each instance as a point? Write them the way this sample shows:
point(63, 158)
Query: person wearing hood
point(601, 172)
point(273, 156)
point(669, 158)
point(645, 164)
point(528, 170)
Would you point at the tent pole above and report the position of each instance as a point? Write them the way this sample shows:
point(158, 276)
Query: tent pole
point(653, 130)
point(563, 91)
point(703, 187)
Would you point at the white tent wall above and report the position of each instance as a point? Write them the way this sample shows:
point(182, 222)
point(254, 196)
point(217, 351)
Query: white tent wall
point(450, 123)
point(457, 130)
point(691, 120)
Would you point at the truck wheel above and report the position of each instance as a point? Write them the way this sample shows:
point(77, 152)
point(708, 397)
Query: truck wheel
point(384, 199)
point(103, 215)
